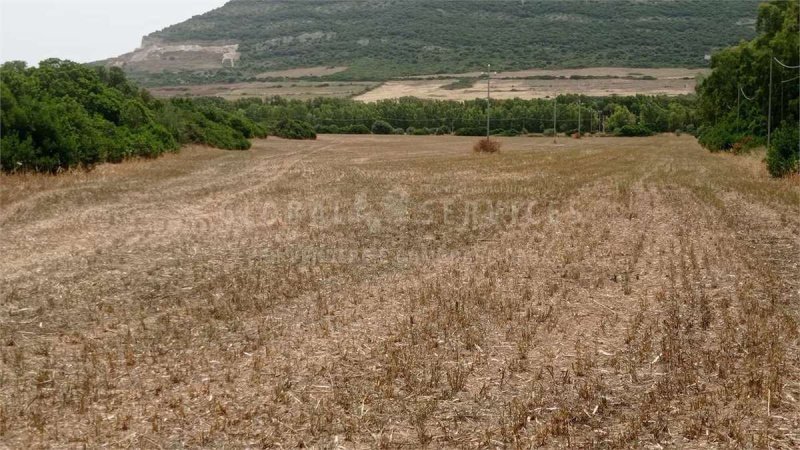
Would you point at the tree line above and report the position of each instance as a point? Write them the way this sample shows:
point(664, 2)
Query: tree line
point(633, 115)
point(62, 114)
point(752, 96)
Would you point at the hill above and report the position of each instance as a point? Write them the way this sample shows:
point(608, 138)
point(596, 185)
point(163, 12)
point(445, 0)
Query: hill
point(380, 39)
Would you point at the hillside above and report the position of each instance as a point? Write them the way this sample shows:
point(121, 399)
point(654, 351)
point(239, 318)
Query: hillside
point(379, 39)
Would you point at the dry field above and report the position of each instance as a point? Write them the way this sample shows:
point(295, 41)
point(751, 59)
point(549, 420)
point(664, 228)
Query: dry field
point(508, 85)
point(290, 89)
point(662, 73)
point(362, 291)
point(526, 89)
point(318, 71)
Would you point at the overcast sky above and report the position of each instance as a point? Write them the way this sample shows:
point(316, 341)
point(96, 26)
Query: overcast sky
point(86, 30)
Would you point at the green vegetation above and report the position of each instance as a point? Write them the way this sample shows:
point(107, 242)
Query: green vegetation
point(64, 114)
point(647, 114)
point(294, 129)
point(382, 127)
point(782, 156)
point(734, 101)
point(380, 39)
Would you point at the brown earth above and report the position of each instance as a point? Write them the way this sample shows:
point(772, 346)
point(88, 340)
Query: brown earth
point(319, 71)
point(291, 89)
point(660, 73)
point(508, 88)
point(400, 291)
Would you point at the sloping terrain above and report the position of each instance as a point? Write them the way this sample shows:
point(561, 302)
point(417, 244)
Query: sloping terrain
point(389, 38)
point(397, 291)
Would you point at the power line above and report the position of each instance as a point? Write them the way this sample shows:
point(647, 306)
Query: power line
point(784, 65)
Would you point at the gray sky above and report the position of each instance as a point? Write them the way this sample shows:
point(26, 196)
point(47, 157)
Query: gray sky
point(86, 30)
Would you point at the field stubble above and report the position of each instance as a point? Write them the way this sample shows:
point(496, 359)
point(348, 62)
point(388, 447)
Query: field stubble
point(366, 291)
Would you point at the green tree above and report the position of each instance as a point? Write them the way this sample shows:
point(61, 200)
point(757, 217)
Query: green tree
point(620, 117)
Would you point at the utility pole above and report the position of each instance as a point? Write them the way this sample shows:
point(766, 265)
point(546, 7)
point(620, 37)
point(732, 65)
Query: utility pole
point(555, 120)
point(488, 98)
point(769, 103)
point(738, 103)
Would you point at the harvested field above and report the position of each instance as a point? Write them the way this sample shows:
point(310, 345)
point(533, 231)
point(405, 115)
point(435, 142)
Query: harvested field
point(319, 71)
point(301, 90)
point(400, 291)
point(508, 88)
point(662, 73)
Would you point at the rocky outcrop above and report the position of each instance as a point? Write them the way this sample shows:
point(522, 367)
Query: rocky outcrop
point(156, 55)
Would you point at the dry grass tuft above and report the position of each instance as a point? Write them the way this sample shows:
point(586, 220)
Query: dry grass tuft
point(486, 146)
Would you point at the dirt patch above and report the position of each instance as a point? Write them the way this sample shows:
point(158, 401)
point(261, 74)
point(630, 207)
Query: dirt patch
point(507, 88)
point(621, 72)
point(295, 90)
point(319, 71)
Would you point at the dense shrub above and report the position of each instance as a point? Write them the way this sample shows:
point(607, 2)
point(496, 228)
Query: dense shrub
point(328, 129)
point(63, 114)
point(550, 132)
point(621, 117)
point(441, 131)
point(382, 127)
point(293, 129)
point(204, 121)
point(355, 129)
point(720, 137)
point(471, 131)
point(634, 130)
point(782, 155)
point(486, 146)
point(420, 131)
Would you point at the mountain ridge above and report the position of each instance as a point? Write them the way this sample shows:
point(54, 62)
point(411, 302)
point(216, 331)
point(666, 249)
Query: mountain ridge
point(381, 39)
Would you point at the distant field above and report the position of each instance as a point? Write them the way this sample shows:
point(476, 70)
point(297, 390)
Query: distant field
point(289, 89)
point(320, 71)
point(528, 84)
point(402, 292)
point(660, 73)
point(600, 82)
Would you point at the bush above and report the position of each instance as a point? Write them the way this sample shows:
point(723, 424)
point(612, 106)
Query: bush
point(471, 131)
point(356, 129)
point(63, 114)
point(720, 137)
point(486, 146)
point(293, 129)
point(782, 157)
point(745, 144)
point(420, 131)
point(634, 130)
point(328, 129)
point(620, 118)
point(382, 127)
point(550, 132)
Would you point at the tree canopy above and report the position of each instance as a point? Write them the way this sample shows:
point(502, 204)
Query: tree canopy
point(735, 106)
point(62, 114)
